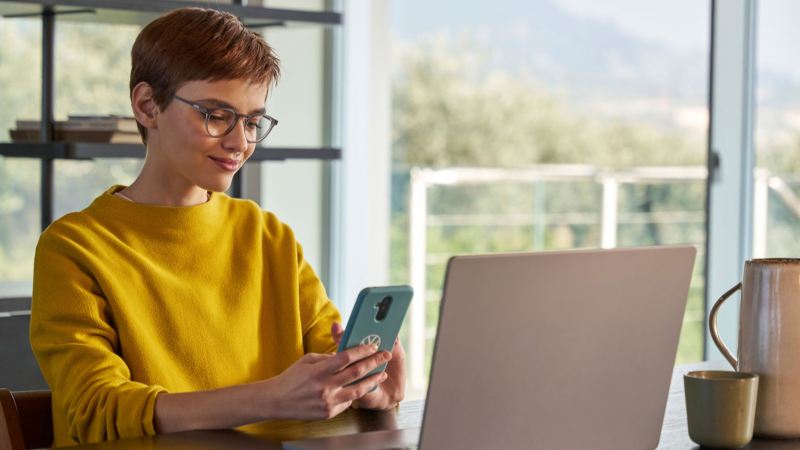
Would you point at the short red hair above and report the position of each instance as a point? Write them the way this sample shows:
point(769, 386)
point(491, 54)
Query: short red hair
point(194, 44)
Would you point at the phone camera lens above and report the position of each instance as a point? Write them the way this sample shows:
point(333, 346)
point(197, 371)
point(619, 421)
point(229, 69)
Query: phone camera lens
point(383, 308)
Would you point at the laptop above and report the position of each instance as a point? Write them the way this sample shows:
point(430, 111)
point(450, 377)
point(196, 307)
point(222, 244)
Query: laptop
point(554, 350)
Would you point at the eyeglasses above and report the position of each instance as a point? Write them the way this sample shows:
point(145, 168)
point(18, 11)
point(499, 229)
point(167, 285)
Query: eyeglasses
point(221, 121)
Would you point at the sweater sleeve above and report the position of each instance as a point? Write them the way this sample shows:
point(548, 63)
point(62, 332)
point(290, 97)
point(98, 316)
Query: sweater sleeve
point(76, 345)
point(318, 312)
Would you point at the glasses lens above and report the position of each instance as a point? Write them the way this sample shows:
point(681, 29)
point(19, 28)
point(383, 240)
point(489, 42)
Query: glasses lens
point(220, 121)
point(257, 128)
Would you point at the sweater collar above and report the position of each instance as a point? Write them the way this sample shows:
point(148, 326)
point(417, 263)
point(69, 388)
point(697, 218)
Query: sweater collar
point(173, 221)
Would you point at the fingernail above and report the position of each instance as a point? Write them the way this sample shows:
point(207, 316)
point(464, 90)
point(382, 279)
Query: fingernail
point(373, 347)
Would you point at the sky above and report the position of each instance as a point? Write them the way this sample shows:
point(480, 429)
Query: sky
point(682, 25)
point(671, 22)
point(778, 34)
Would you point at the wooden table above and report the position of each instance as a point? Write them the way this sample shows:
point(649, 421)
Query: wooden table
point(268, 435)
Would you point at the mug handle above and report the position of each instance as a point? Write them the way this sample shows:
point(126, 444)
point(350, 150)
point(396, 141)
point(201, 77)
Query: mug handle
point(712, 326)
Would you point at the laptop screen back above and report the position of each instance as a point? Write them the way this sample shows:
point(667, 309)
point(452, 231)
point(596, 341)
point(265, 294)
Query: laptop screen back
point(558, 350)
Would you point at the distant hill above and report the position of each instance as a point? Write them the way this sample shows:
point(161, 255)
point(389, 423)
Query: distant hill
point(592, 59)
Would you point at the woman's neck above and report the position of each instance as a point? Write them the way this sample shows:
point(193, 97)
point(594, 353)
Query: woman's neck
point(142, 192)
point(159, 184)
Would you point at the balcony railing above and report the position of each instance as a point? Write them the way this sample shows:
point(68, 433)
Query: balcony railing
point(610, 216)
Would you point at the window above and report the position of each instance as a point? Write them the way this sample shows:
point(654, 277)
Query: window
point(19, 178)
point(297, 191)
point(776, 193)
point(540, 125)
point(91, 86)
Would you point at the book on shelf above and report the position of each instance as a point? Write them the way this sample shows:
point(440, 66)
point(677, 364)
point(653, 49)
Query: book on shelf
point(82, 128)
point(86, 122)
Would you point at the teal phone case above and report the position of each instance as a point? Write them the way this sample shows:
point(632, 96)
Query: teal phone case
point(364, 326)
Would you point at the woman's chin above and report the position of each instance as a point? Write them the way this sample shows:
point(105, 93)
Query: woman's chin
point(218, 184)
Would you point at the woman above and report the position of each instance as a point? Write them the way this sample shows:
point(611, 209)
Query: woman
point(167, 305)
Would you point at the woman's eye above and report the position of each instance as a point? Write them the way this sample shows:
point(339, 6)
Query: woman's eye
point(216, 117)
point(253, 125)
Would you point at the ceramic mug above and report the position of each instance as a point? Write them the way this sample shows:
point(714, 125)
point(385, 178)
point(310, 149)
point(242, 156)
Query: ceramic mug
point(720, 407)
point(769, 341)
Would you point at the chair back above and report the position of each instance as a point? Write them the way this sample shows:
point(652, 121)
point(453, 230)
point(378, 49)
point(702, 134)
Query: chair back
point(26, 420)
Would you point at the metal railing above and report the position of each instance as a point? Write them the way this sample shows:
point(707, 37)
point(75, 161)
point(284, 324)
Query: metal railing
point(609, 181)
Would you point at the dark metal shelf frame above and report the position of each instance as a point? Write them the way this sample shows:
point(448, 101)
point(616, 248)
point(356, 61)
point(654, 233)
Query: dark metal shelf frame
point(142, 11)
point(114, 11)
point(130, 12)
point(99, 150)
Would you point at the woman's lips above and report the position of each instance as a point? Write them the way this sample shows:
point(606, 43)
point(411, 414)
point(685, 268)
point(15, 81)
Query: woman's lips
point(229, 165)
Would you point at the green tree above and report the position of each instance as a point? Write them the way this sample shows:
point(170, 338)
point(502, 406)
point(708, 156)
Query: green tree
point(448, 110)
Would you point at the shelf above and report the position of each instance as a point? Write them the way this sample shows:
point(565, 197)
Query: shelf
point(14, 305)
point(91, 150)
point(140, 12)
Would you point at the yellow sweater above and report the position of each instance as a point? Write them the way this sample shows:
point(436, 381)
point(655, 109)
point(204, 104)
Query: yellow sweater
point(130, 300)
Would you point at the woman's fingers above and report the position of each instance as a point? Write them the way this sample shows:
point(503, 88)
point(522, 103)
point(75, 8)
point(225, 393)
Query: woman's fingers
point(337, 332)
point(350, 356)
point(361, 368)
point(333, 381)
point(357, 390)
point(314, 358)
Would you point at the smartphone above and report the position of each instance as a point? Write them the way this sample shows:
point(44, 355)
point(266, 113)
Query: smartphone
point(376, 318)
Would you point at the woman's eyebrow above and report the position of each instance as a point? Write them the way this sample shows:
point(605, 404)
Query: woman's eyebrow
point(224, 104)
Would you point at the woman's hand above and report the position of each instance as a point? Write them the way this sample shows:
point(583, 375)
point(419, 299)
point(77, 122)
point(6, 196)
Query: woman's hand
point(314, 387)
point(318, 386)
point(392, 388)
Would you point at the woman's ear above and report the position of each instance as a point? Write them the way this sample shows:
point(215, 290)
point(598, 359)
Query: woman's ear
point(144, 105)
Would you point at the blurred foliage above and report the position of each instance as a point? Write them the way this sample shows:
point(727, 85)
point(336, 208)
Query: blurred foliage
point(444, 114)
point(782, 157)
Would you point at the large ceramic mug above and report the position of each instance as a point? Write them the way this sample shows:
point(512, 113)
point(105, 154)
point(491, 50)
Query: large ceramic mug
point(769, 341)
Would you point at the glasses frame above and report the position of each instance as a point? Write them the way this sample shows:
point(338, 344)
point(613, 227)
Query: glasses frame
point(206, 112)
